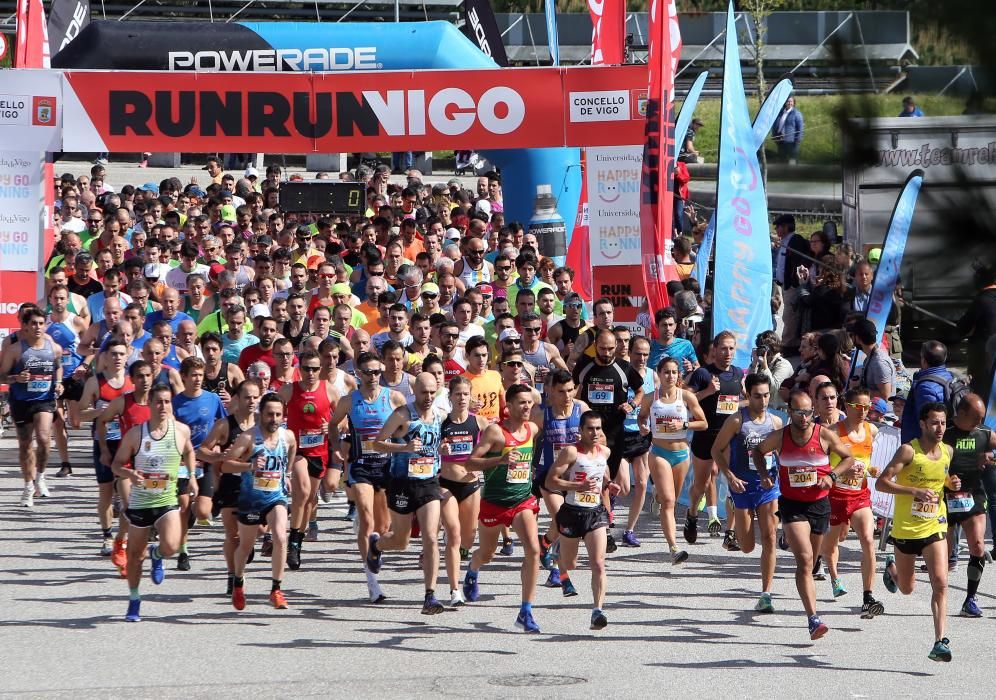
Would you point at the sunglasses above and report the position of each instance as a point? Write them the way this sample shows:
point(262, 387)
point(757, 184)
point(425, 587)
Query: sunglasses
point(311, 368)
point(802, 412)
point(327, 275)
point(532, 330)
point(513, 363)
point(429, 295)
point(573, 306)
point(513, 341)
point(503, 268)
point(451, 336)
point(371, 372)
point(860, 406)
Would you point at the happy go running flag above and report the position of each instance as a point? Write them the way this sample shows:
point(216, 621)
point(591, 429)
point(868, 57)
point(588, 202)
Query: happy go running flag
point(742, 291)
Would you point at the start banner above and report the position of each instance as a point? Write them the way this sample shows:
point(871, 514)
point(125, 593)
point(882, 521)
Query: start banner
point(352, 112)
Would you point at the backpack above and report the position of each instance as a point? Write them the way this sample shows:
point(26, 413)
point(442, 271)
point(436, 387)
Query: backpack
point(954, 390)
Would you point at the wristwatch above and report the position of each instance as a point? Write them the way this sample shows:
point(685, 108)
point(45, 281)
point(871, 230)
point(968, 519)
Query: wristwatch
point(833, 476)
point(684, 425)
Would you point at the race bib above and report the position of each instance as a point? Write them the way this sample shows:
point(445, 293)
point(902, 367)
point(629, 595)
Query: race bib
point(601, 393)
point(802, 477)
point(421, 467)
point(768, 463)
point(850, 483)
point(727, 404)
point(367, 447)
point(268, 481)
point(927, 511)
point(39, 386)
point(113, 430)
point(155, 482)
point(960, 502)
point(311, 438)
point(587, 499)
point(518, 472)
point(460, 445)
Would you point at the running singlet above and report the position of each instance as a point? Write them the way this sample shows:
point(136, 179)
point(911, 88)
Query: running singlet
point(849, 486)
point(170, 359)
point(568, 333)
point(914, 520)
point(220, 380)
point(65, 335)
point(198, 413)
point(604, 388)
point(107, 393)
point(587, 466)
point(461, 438)
point(750, 435)
point(133, 413)
point(423, 464)
point(472, 277)
point(230, 481)
point(968, 461)
point(40, 362)
point(661, 412)
point(558, 433)
point(158, 463)
point(308, 412)
point(485, 388)
point(365, 421)
point(724, 402)
point(266, 483)
point(631, 424)
point(404, 387)
point(510, 483)
point(537, 359)
point(801, 467)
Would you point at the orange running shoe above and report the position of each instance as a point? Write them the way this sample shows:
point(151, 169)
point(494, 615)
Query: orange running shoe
point(239, 597)
point(119, 555)
point(278, 600)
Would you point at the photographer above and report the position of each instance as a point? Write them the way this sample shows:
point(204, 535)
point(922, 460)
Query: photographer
point(766, 360)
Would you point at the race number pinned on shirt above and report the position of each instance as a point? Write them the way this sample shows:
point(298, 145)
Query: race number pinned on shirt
point(518, 472)
point(926, 511)
point(586, 499)
point(960, 502)
point(268, 481)
point(421, 467)
point(727, 404)
point(600, 393)
point(155, 482)
point(311, 438)
point(39, 386)
point(802, 477)
point(460, 445)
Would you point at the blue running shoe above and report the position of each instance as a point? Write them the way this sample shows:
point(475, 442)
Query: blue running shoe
point(373, 554)
point(470, 589)
point(629, 539)
point(133, 610)
point(838, 587)
point(158, 572)
point(507, 548)
point(598, 620)
point(546, 560)
point(890, 583)
point(554, 580)
point(568, 588)
point(970, 608)
point(526, 623)
point(941, 650)
point(816, 627)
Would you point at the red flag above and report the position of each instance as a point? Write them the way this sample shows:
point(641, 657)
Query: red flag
point(32, 36)
point(657, 187)
point(579, 251)
point(608, 19)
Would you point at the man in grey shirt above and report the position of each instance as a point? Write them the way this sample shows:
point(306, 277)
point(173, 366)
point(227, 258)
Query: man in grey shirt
point(878, 373)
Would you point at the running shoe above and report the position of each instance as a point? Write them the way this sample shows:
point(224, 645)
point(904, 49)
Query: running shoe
point(373, 554)
point(119, 557)
point(941, 650)
point(629, 539)
point(28, 495)
point(546, 560)
point(41, 488)
point(457, 599)
point(678, 557)
point(351, 512)
point(818, 574)
point(238, 597)
point(553, 581)
point(65, 471)
point(107, 548)
point(816, 627)
point(568, 588)
point(464, 554)
point(266, 550)
point(157, 572)
point(782, 542)
point(838, 587)
point(278, 600)
point(970, 608)
point(205, 522)
point(730, 543)
point(764, 604)
point(655, 505)
point(183, 562)
point(890, 583)
point(134, 609)
point(871, 609)
point(715, 527)
point(431, 606)
point(325, 494)
point(374, 592)
point(507, 548)
point(526, 623)
point(691, 530)
point(311, 534)
point(293, 555)
point(610, 543)
point(471, 591)
point(598, 620)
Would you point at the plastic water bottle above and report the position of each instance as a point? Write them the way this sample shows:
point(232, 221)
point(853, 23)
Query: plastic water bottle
point(548, 225)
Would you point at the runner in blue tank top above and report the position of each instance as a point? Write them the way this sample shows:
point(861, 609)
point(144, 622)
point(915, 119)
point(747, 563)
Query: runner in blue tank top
point(262, 456)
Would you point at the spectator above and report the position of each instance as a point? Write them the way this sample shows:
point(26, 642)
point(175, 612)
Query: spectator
point(825, 300)
point(910, 110)
point(688, 153)
point(788, 263)
point(878, 373)
point(978, 323)
point(788, 132)
point(929, 386)
point(767, 360)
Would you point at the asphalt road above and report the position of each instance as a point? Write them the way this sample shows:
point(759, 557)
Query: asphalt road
point(687, 630)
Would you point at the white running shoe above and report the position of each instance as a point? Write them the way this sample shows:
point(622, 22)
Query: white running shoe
point(373, 591)
point(325, 494)
point(456, 598)
point(41, 488)
point(107, 548)
point(28, 495)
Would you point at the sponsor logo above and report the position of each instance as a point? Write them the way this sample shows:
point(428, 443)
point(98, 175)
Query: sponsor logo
point(22, 110)
point(76, 23)
point(600, 106)
point(478, 28)
point(270, 60)
point(43, 111)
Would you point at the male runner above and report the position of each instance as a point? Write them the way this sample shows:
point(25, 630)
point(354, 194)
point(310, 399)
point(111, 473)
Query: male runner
point(156, 450)
point(917, 476)
point(413, 488)
point(804, 479)
point(505, 455)
point(741, 433)
point(581, 470)
point(262, 457)
point(65, 327)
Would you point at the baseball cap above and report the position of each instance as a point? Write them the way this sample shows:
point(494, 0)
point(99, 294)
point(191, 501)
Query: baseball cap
point(314, 261)
point(486, 289)
point(341, 288)
point(429, 288)
point(880, 406)
point(874, 256)
point(483, 205)
point(150, 187)
point(258, 370)
point(453, 234)
point(573, 298)
point(151, 271)
point(259, 310)
point(196, 191)
point(225, 193)
point(509, 334)
point(251, 173)
point(227, 212)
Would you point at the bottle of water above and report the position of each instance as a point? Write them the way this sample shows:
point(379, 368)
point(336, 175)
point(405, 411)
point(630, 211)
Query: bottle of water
point(548, 225)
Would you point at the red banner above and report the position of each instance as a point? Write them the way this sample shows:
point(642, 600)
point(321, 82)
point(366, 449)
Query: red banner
point(608, 19)
point(351, 112)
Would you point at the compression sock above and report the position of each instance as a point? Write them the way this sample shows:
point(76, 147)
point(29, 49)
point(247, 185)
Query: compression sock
point(371, 577)
point(565, 576)
point(108, 533)
point(975, 567)
point(183, 548)
point(239, 581)
point(133, 594)
point(296, 536)
point(526, 607)
point(868, 597)
point(275, 585)
point(154, 553)
point(713, 512)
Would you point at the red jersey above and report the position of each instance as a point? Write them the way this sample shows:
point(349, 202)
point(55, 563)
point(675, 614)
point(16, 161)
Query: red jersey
point(106, 393)
point(256, 353)
point(276, 383)
point(307, 411)
point(802, 467)
point(452, 368)
point(133, 414)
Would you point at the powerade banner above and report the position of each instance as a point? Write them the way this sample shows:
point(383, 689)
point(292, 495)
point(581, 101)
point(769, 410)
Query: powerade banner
point(763, 122)
point(67, 20)
point(481, 27)
point(657, 182)
point(349, 112)
point(742, 289)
